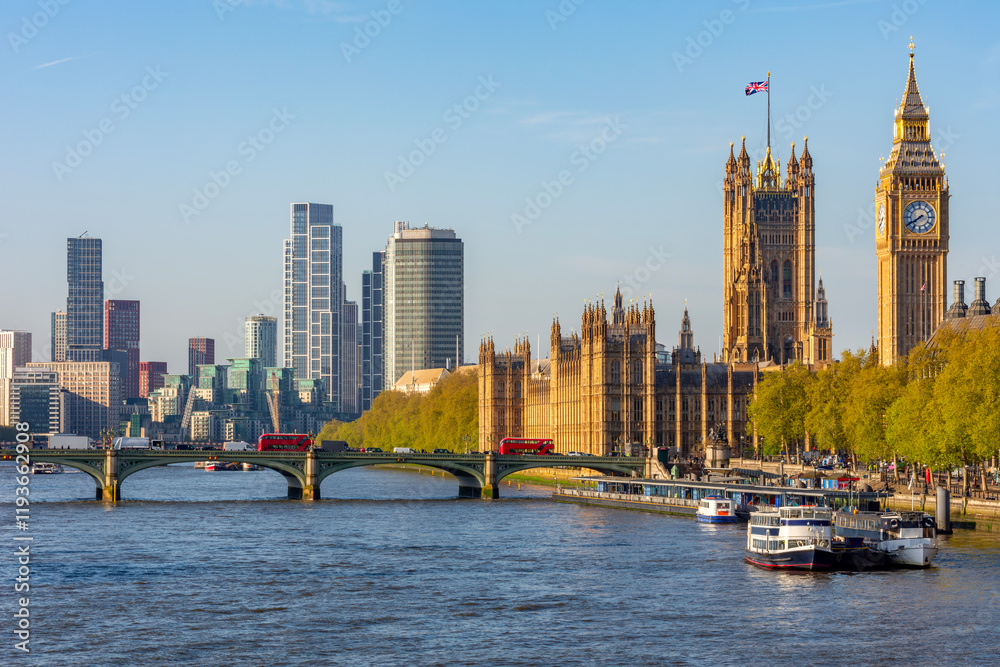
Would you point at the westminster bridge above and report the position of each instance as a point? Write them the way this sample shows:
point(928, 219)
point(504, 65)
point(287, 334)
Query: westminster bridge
point(478, 475)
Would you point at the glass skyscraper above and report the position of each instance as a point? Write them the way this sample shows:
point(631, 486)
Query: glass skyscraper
point(85, 304)
point(372, 336)
point(121, 332)
point(313, 303)
point(424, 300)
point(261, 340)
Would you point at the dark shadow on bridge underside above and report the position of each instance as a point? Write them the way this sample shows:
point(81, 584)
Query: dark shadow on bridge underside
point(470, 479)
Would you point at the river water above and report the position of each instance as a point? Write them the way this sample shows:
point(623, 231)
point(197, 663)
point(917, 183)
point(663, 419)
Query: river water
point(216, 568)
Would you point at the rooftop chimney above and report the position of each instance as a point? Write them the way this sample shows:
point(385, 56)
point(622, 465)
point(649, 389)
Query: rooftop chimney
point(980, 306)
point(958, 308)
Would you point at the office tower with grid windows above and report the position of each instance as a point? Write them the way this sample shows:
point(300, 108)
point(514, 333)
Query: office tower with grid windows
point(121, 332)
point(201, 351)
point(424, 300)
point(151, 377)
point(58, 336)
point(313, 302)
point(261, 340)
point(372, 338)
point(85, 303)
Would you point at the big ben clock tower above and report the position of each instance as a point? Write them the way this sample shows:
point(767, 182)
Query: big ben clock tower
point(911, 235)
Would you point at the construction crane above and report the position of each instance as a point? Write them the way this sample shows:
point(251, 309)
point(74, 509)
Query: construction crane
point(273, 404)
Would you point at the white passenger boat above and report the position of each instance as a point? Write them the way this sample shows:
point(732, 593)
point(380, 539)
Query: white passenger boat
point(716, 509)
point(45, 468)
point(907, 539)
point(791, 538)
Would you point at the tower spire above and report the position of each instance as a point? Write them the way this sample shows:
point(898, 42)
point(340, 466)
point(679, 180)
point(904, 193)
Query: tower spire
point(912, 107)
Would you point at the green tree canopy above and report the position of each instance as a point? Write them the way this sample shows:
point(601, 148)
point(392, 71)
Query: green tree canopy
point(447, 417)
point(780, 407)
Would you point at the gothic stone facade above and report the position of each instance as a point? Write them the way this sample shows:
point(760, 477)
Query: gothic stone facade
point(604, 388)
point(772, 311)
point(912, 232)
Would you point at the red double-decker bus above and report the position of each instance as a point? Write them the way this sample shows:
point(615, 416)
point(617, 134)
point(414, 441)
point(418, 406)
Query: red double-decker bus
point(526, 446)
point(283, 442)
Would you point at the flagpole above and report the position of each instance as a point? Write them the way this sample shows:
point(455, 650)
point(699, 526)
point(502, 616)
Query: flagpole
point(768, 109)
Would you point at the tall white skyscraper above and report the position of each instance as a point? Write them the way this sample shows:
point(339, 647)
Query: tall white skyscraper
point(313, 303)
point(424, 291)
point(261, 340)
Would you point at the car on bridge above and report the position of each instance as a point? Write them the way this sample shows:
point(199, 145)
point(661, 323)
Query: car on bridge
point(441, 451)
point(372, 450)
point(576, 454)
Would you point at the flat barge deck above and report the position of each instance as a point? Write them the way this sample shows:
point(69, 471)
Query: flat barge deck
point(682, 496)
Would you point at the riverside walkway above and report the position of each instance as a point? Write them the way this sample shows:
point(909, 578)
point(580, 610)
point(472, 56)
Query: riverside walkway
point(478, 475)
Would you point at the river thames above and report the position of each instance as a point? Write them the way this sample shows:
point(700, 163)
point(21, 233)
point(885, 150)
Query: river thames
point(216, 568)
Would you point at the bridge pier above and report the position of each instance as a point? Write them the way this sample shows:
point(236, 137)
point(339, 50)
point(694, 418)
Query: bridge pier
point(491, 490)
point(310, 490)
point(111, 491)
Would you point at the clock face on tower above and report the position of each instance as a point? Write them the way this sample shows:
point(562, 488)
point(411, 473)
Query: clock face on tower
point(919, 217)
point(881, 219)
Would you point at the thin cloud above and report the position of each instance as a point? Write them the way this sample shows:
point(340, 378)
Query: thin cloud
point(63, 60)
point(54, 62)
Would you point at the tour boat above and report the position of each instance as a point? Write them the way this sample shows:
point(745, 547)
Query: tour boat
point(45, 468)
point(791, 538)
point(906, 538)
point(221, 465)
point(716, 509)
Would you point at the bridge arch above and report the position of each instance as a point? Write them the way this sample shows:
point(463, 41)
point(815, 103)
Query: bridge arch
point(469, 477)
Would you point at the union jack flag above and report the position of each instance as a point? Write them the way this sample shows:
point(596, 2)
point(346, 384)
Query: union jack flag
point(756, 87)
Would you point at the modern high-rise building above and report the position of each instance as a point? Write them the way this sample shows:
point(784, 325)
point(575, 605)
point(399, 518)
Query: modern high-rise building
point(85, 303)
point(246, 382)
point(151, 376)
point(313, 304)
point(201, 351)
point(15, 350)
point(59, 336)
point(372, 337)
point(121, 332)
point(34, 399)
point(424, 300)
point(911, 237)
point(350, 358)
point(91, 395)
point(261, 340)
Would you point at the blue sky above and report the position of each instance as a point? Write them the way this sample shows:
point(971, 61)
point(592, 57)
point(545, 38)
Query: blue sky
point(164, 95)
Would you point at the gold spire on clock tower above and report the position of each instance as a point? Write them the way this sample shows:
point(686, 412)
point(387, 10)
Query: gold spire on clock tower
point(911, 232)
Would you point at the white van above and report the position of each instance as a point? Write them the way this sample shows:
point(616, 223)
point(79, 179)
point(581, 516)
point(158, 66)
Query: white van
point(131, 443)
point(403, 450)
point(238, 447)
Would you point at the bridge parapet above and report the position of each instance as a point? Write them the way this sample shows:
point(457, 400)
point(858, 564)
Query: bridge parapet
point(478, 475)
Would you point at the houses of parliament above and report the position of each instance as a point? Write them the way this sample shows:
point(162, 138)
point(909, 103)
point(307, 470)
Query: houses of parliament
point(610, 385)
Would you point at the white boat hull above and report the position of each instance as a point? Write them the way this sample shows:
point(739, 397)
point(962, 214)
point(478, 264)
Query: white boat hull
point(910, 555)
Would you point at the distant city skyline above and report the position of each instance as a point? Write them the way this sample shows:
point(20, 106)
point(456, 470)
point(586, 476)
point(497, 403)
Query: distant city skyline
point(591, 155)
